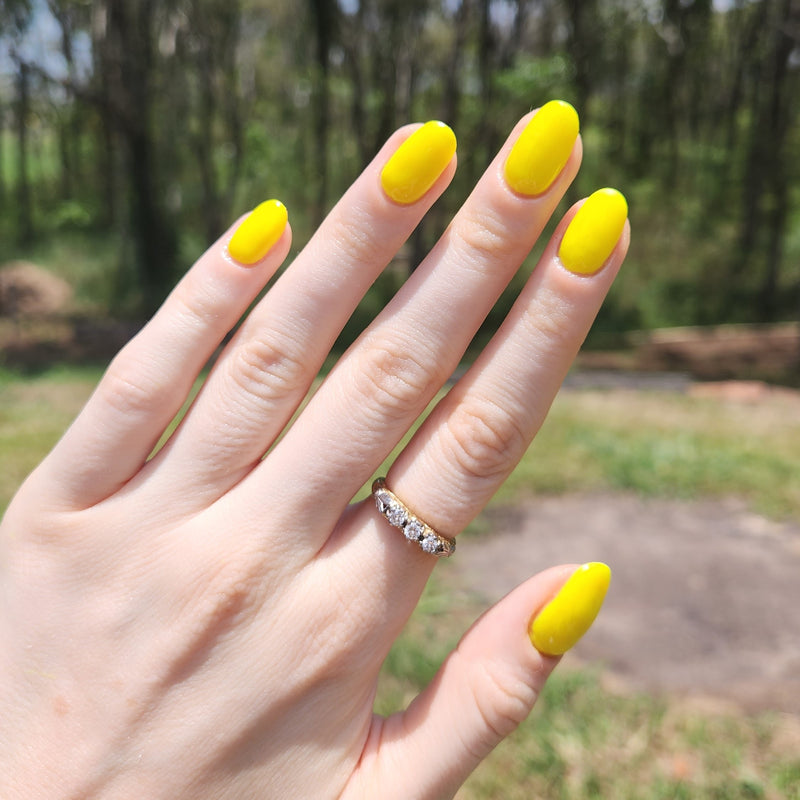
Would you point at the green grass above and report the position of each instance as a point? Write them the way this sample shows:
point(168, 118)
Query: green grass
point(34, 412)
point(667, 445)
point(583, 740)
point(586, 742)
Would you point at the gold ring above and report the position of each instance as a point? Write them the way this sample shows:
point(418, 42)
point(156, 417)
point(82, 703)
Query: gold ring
point(398, 514)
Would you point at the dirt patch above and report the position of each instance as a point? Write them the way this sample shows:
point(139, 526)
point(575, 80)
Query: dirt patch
point(30, 291)
point(705, 598)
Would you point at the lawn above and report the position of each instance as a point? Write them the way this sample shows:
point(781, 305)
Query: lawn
point(585, 740)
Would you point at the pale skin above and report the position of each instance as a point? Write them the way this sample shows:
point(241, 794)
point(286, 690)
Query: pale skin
point(208, 624)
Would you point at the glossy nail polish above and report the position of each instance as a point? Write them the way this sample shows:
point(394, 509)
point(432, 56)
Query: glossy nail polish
point(418, 162)
point(594, 231)
point(542, 149)
point(562, 622)
point(258, 232)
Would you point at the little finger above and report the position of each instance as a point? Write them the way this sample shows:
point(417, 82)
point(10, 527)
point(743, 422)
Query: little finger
point(150, 379)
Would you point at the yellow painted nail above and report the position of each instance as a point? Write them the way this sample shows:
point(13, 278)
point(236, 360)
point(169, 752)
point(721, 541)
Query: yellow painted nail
point(259, 231)
point(542, 149)
point(562, 622)
point(594, 231)
point(418, 162)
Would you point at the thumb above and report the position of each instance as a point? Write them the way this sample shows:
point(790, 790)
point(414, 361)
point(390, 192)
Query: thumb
point(486, 687)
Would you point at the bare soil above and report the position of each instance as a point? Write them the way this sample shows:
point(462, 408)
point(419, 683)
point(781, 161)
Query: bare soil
point(705, 599)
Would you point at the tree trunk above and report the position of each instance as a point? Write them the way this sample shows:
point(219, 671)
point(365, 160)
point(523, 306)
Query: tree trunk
point(779, 108)
point(2, 154)
point(24, 209)
point(323, 13)
point(583, 21)
point(129, 56)
point(451, 93)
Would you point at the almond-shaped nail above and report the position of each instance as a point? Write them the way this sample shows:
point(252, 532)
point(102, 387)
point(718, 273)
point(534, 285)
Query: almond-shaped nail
point(593, 232)
point(258, 232)
point(542, 149)
point(564, 620)
point(418, 162)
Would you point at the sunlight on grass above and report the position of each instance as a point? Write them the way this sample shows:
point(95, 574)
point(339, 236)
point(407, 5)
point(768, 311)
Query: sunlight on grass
point(583, 741)
point(34, 413)
point(586, 741)
point(666, 445)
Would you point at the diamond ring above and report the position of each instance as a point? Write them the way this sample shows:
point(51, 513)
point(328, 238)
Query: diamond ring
point(398, 514)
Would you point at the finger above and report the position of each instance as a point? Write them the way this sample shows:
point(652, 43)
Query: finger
point(385, 381)
point(476, 435)
point(484, 690)
point(267, 369)
point(150, 379)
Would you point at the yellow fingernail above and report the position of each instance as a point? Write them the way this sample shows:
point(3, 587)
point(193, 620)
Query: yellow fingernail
point(594, 232)
point(259, 231)
point(542, 149)
point(418, 162)
point(562, 622)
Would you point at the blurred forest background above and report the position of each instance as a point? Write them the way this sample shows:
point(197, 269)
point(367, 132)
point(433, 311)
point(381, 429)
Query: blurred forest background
point(132, 132)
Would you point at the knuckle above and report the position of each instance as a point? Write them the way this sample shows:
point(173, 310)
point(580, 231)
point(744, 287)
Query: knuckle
point(484, 439)
point(268, 370)
point(128, 388)
point(502, 700)
point(551, 324)
point(486, 237)
point(356, 241)
point(391, 379)
point(195, 304)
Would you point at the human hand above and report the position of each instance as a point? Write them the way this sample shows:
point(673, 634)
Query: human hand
point(210, 623)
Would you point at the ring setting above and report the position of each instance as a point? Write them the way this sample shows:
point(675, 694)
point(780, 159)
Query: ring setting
point(398, 514)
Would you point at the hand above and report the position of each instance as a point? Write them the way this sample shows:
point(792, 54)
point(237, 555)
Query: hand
point(210, 623)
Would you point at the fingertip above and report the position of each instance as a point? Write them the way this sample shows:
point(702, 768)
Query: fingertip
point(542, 149)
point(594, 232)
point(258, 233)
point(418, 162)
point(559, 626)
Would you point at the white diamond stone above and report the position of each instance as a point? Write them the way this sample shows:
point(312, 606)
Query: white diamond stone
point(430, 544)
point(396, 515)
point(414, 530)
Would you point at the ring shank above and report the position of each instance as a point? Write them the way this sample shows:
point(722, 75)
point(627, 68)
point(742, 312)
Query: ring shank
point(399, 515)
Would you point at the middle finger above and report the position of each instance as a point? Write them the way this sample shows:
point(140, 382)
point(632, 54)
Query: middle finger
point(389, 376)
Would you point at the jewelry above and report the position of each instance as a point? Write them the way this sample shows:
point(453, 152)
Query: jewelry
point(398, 514)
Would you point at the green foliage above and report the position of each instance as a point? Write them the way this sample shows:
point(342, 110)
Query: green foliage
point(536, 77)
point(685, 108)
point(584, 741)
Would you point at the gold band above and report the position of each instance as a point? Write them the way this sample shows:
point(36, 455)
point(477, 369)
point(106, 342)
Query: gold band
point(398, 514)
